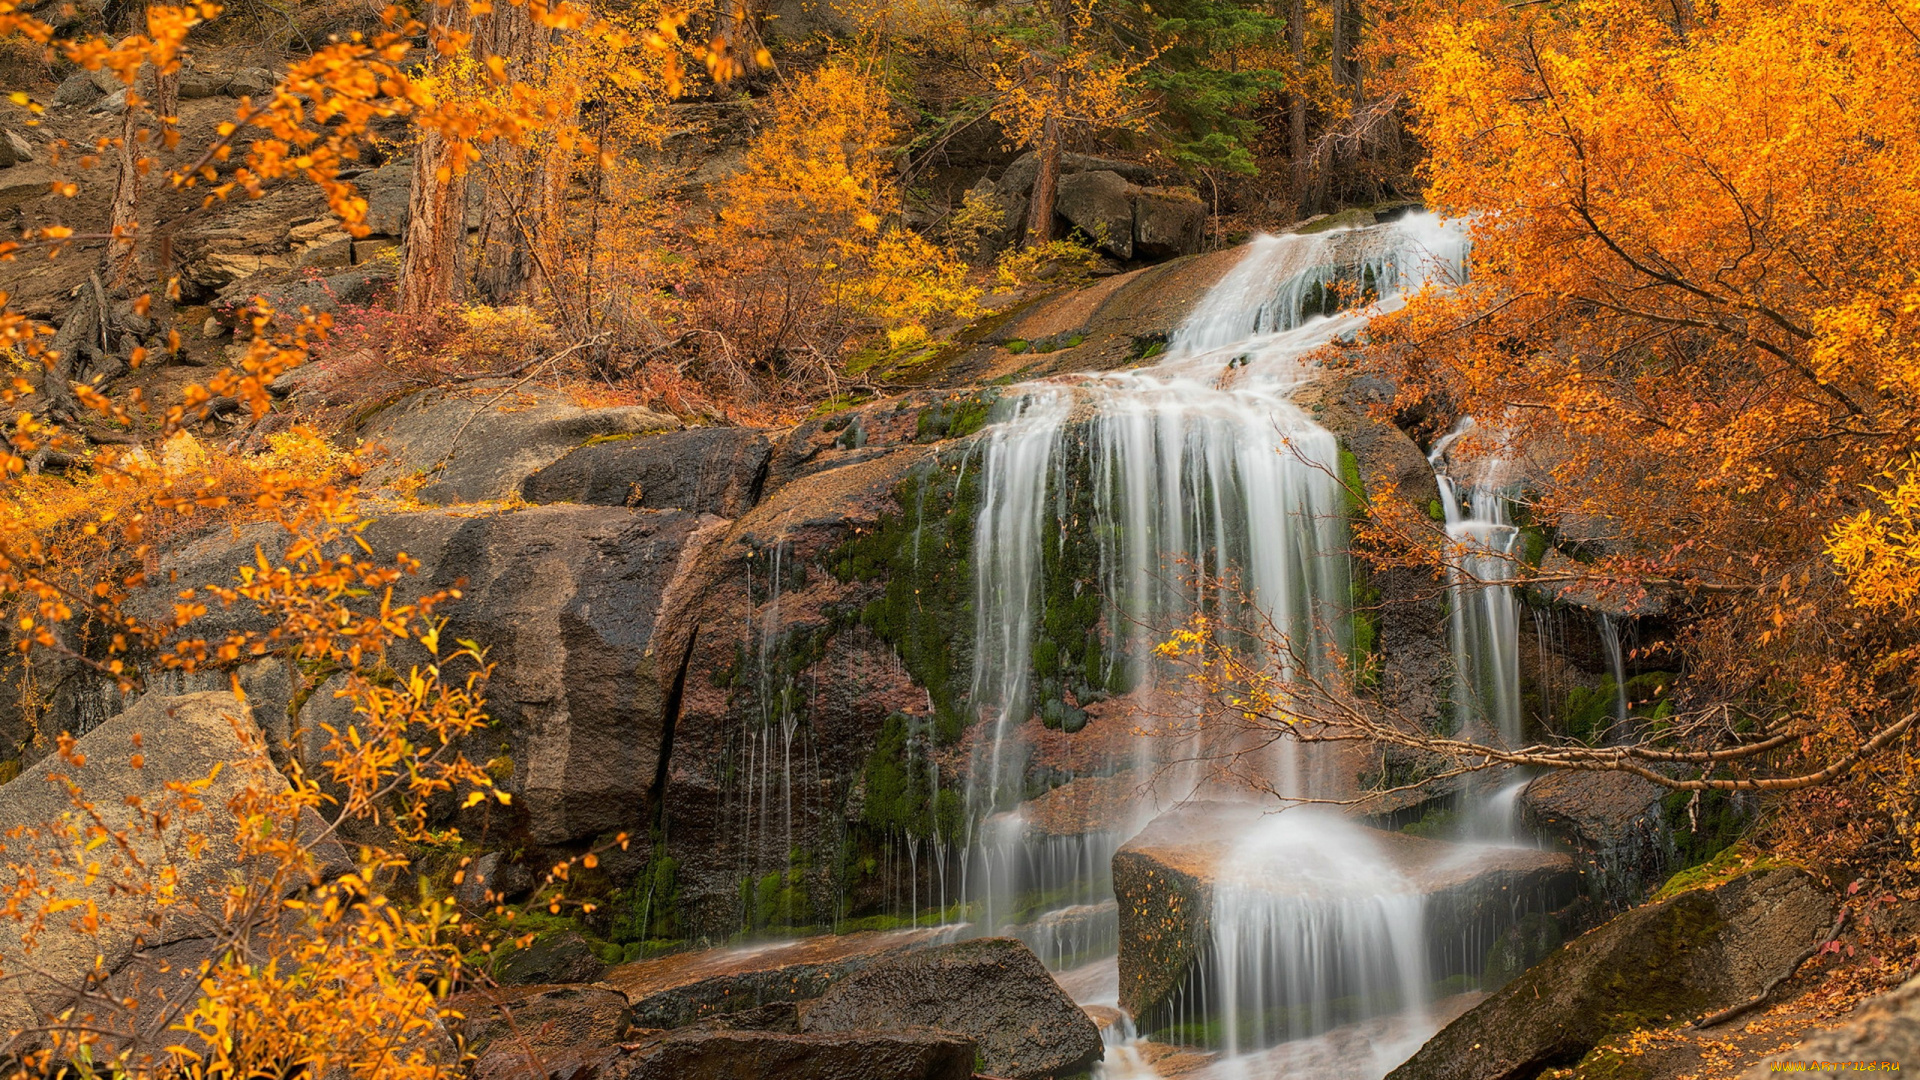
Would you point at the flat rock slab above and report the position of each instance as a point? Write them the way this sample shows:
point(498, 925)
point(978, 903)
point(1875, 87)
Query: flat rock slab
point(1165, 877)
point(708, 470)
point(743, 1055)
point(992, 990)
point(1655, 965)
point(686, 988)
point(481, 444)
point(543, 1018)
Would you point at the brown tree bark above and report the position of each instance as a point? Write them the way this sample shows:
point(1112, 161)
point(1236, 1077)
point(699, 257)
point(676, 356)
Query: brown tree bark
point(518, 208)
point(124, 211)
point(436, 205)
point(1297, 106)
point(1046, 186)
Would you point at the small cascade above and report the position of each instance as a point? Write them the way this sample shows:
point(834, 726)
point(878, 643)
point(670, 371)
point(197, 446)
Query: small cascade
point(1485, 614)
point(1125, 1057)
point(1315, 929)
point(1617, 666)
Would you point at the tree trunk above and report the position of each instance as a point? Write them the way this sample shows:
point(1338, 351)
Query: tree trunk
point(1297, 105)
point(516, 212)
point(124, 211)
point(436, 206)
point(1046, 186)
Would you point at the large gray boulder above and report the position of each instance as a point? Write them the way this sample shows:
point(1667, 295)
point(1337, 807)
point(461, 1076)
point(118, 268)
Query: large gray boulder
point(579, 609)
point(710, 470)
point(1701, 951)
point(992, 990)
point(1099, 204)
point(1020, 175)
point(1167, 222)
point(1885, 1029)
point(387, 190)
point(482, 444)
point(51, 812)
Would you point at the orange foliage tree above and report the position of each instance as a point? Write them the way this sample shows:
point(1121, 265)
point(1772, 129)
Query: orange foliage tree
point(1691, 316)
point(308, 970)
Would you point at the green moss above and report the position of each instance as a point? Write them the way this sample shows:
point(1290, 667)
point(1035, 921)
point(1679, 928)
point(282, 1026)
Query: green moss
point(617, 437)
point(923, 555)
point(1728, 863)
point(1016, 346)
point(1435, 510)
point(956, 417)
point(1148, 347)
point(1611, 1061)
point(1533, 544)
point(900, 784)
point(1589, 712)
point(649, 909)
point(1071, 668)
point(838, 403)
point(1363, 602)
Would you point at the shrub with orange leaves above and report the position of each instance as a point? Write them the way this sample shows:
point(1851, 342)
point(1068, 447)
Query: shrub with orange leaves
point(809, 252)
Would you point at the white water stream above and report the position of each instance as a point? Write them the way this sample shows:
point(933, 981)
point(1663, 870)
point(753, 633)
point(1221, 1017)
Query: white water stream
point(1205, 488)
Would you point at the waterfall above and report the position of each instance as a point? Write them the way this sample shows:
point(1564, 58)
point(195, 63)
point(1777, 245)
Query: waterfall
point(1485, 617)
point(1115, 506)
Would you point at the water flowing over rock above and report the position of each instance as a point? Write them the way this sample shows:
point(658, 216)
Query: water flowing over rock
point(1114, 506)
point(1282, 925)
point(696, 987)
point(1703, 950)
point(1486, 621)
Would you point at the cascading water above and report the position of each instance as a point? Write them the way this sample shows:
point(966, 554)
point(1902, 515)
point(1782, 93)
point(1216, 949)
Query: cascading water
point(1198, 486)
point(1485, 615)
point(1617, 667)
point(1315, 927)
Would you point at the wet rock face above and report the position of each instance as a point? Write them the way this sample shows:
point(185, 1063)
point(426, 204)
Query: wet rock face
point(1612, 820)
point(720, 985)
point(992, 990)
point(547, 1017)
point(552, 958)
point(709, 470)
point(1700, 951)
point(789, 690)
point(1167, 877)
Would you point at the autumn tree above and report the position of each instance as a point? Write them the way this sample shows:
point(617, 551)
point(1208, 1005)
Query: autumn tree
point(1691, 313)
point(1057, 72)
